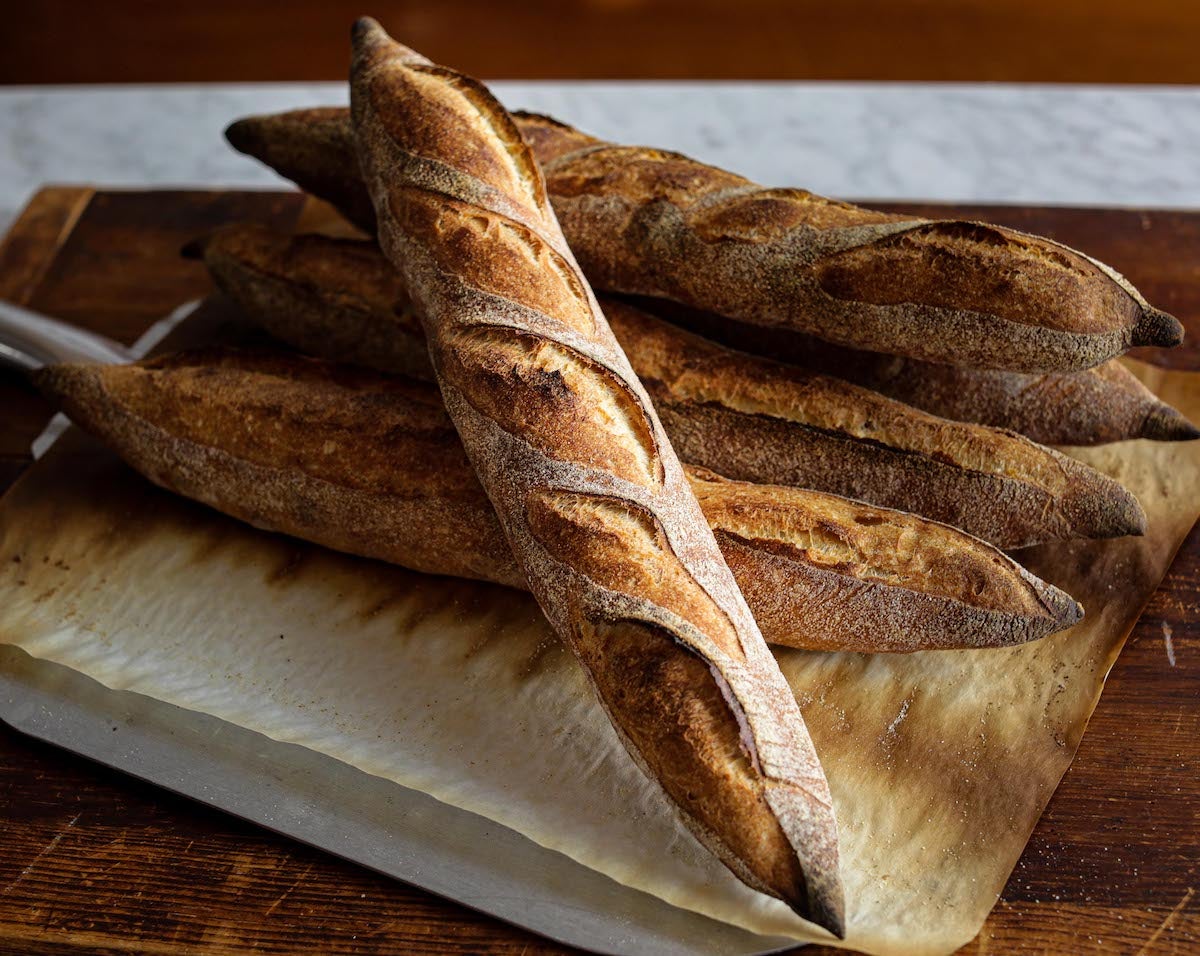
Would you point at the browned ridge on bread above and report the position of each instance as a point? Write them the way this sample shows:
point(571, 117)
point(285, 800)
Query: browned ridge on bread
point(370, 464)
point(1093, 407)
point(648, 222)
point(591, 497)
point(743, 417)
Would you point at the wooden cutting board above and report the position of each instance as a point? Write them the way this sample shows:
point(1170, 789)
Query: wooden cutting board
point(91, 861)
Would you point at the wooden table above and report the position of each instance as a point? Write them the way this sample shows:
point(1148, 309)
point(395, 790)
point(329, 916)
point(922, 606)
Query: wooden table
point(93, 862)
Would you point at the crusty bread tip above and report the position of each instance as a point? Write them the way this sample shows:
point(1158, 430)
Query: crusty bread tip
point(313, 148)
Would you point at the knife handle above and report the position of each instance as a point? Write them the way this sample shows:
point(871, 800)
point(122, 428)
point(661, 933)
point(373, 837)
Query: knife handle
point(29, 340)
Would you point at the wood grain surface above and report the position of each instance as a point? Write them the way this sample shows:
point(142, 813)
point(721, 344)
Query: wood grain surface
point(1102, 41)
point(93, 862)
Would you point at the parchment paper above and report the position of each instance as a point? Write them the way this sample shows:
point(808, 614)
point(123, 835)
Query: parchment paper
point(940, 763)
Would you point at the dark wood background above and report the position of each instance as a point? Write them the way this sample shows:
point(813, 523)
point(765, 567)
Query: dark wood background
point(1147, 41)
point(93, 862)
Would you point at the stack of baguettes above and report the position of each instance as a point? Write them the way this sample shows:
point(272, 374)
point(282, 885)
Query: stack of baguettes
point(472, 411)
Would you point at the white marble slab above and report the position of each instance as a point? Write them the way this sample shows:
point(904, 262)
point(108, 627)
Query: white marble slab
point(1073, 145)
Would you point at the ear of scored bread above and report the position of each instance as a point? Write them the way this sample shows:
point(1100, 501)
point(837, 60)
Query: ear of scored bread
point(743, 417)
point(649, 222)
point(592, 499)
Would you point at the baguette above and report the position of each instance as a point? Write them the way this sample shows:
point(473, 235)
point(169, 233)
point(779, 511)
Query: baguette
point(314, 148)
point(591, 497)
point(1093, 407)
point(647, 222)
point(742, 417)
point(341, 456)
point(336, 298)
point(249, 433)
point(289, 285)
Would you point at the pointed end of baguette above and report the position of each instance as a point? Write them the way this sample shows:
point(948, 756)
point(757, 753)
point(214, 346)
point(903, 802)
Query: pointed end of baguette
point(1059, 611)
point(1063, 610)
point(73, 388)
point(812, 829)
point(1157, 328)
point(367, 31)
point(828, 913)
point(245, 134)
point(827, 918)
point(371, 41)
point(1115, 514)
point(1168, 424)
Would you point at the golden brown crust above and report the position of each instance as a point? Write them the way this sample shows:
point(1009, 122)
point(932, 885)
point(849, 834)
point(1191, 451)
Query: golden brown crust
point(758, 420)
point(373, 467)
point(648, 222)
point(298, 446)
point(754, 419)
point(814, 567)
point(1093, 407)
point(651, 223)
point(295, 286)
point(675, 720)
point(463, 215)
